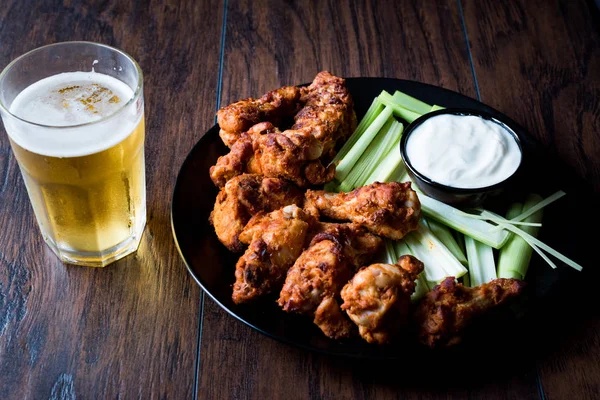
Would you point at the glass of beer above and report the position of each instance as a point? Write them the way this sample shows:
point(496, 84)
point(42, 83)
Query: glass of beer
point(74, 115)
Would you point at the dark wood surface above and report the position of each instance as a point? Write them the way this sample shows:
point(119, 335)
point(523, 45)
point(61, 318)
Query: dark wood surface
point(141, 327)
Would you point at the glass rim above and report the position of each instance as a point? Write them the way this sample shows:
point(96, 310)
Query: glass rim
point(136, 93)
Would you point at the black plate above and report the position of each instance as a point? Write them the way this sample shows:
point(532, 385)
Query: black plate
point(212, 265)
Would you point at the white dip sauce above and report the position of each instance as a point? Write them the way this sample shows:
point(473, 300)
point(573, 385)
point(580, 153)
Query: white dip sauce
point(463, 151)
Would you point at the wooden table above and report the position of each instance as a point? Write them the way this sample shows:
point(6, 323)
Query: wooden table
point(142, 328)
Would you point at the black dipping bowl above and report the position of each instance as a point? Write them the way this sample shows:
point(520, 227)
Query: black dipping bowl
point(462, 197)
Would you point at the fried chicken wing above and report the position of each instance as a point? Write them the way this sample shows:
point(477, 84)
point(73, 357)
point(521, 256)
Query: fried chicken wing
point(274, 106)
point(388, 209)
point(328, 110)
point(313, 284)
point(276, 240)
point(377, 298)
point(445, 311)
point(293, 155)
point(244, 196)
point(300, 154)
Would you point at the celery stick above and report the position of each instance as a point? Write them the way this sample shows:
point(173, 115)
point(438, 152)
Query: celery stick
point(433, 271)
point(390, 253)
point(490, 216)
point(435, 107)
point(482, 268)
point(347, 162)
point(544, 203)
point(401, 112)
point(514, 258)
point(421, 289)
point(370, 158)
point(390, 164)
point(513, 250)
point(538, 245)
point(438, 260)
point(400, 175)
point(527, 211)
point(372, 113)
point(466, 280)
point(443, 233)
point(454, 218)
point(402, 248)
point(460, 240)
point(410, 103)
point(390, 140)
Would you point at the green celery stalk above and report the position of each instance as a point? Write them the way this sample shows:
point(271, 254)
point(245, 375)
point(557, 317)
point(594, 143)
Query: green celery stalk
point(466, 280)
point(536, 244)
point(460, 240)
point(455, 219)
point(390, 252)
point(390, 164)
point(401, 112)
point(372, 113)
point(435, 107)
point(410, 103)
point(347, 162)
point(514, 257)
point(399, 174)
point(482, 268)
point(402, 248)
point(370, 158)
point(390, 141)
point(443, 233)
point(438, 260)
point(421, 289)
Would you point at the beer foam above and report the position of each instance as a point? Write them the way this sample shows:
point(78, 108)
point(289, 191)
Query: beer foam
point(63, 101)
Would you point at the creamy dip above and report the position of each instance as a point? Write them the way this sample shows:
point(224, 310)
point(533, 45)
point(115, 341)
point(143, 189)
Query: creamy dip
point(463, 151)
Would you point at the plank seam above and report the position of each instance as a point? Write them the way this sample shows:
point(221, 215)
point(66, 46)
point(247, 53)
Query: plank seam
point(198, 341)
point(218, 105)
point(464, 26)
point(221, 57)
point(539, 383)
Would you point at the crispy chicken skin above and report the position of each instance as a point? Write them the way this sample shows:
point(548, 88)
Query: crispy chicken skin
point(388, 209)
point(276, 240)
point(328, 110)
point(446, 310)
point(293, 155)
point(377, 298)
point(313, 284)
point(274, 106)
point(300, 154)
point(244, 196)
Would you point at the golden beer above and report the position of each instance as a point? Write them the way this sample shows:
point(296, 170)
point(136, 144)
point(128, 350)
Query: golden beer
point(90, 203)
point(78, 137)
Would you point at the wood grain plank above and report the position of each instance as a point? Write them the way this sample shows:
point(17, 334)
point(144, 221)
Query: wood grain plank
point(539, 61)
point(128, 330)
point(269, 44)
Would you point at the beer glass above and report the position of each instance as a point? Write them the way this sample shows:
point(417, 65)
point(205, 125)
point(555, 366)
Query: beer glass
point(74, 115)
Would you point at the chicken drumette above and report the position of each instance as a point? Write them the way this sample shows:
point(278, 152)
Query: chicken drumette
point(377, 298)
point(388, 209)
point(244, 196)
point(313, 284)
point(327, 112)
point(294, 155)
point(276, 240)
point(274, 106)
point(446, 310)
point(300, 154)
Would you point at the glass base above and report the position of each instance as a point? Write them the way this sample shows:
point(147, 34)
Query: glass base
point(102, 258)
